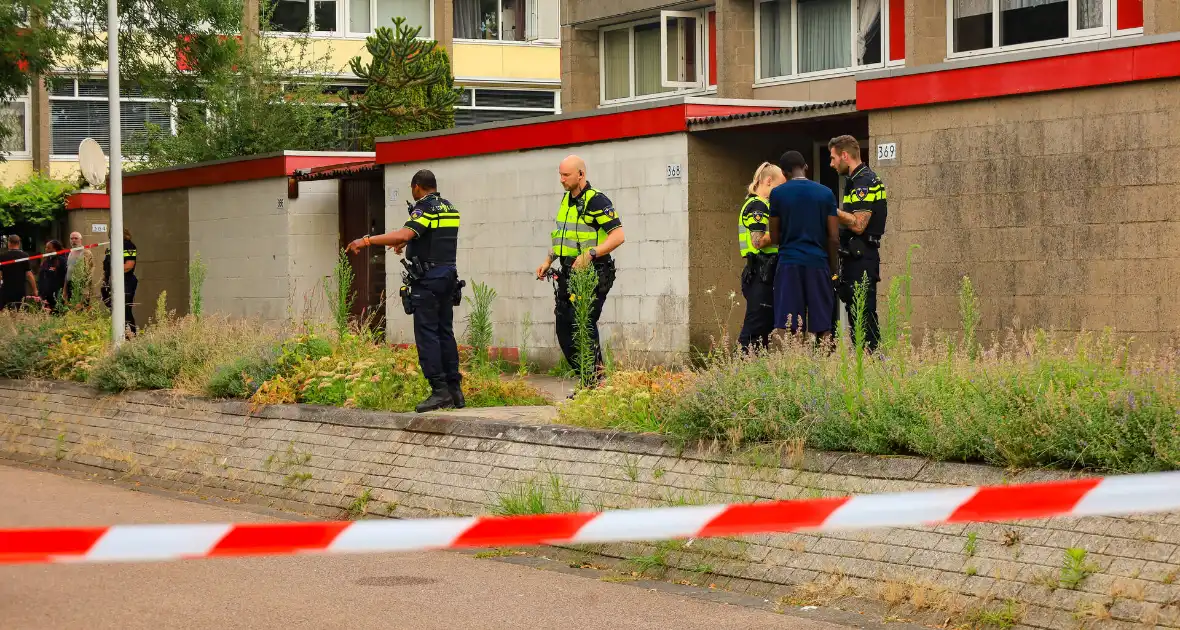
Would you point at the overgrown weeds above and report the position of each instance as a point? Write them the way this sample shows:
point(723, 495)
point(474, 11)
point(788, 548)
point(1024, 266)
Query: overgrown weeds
point(551, 496)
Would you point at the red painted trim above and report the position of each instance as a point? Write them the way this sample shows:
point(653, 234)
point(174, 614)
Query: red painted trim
point(616, 126)
point(701, 111)
point(897, 30)
point(240, 171)
point(1130, 14)
point(1106, 67)
point(88, 201)
point(712, 48)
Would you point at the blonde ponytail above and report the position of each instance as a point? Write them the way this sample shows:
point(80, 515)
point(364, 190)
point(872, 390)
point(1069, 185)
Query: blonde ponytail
point(764, 172)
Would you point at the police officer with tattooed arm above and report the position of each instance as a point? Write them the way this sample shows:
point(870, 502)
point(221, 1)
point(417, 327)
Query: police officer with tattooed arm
point(588, 230)
point(862, 220)
point(430, 239)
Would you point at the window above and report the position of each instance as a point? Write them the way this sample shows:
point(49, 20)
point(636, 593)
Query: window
point(806, 37)
point(487, 105)
point(650, 58)
point(14, 117)
point(79, 110)
point(507, 20)
point(989, 25)
point(357, 17)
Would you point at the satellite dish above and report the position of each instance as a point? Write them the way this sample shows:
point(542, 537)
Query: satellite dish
point(92, 162)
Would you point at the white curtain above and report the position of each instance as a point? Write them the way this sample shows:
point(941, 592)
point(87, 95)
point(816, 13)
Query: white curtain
point(647, 60)
point(1089, 14)
point(868, 13)
point(774, 38)
point(358, 17)
point(467, 19)
point(616, 58)
point(825, 34)
point(416, 12)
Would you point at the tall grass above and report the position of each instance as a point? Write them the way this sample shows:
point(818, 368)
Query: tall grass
point(583, 289)
point(197, 271)
point(339, 293)
point(480, 329)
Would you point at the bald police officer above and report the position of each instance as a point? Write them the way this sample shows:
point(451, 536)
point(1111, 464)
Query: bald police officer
point(588, 230)
point(430, 240)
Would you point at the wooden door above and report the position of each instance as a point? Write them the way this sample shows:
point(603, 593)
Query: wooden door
point(362, 212)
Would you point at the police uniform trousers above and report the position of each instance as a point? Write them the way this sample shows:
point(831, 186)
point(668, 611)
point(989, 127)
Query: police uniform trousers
point(758, 289)
point(434, 331)
point(852, 271)
point(564, 311)
point(130, 285)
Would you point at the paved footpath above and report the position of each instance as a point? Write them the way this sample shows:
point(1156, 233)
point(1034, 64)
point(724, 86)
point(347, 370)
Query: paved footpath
point(421, 591)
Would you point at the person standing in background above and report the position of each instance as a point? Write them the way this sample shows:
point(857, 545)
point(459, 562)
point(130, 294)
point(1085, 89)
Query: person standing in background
point(17, 276)
point(51, 277)
point(130, 282)
point(79, 270)
point(803, 220)
point(761, 255)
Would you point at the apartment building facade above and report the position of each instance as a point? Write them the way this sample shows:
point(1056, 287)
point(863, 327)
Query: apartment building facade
point(1024, 142)
point(504, 53)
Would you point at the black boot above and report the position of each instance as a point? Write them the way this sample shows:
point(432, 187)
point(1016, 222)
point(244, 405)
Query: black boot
point(440, 398)
point(457, 395)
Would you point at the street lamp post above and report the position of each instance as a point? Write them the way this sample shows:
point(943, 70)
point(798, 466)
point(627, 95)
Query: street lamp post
point(115, 188)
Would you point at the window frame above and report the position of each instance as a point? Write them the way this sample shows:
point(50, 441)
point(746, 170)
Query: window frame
point(344, 31)
point(73, 157)
point(796, 76)
point(630, 27)
point(540, 111)
point(26, 101)
point(1108, 30)
point(527, 41)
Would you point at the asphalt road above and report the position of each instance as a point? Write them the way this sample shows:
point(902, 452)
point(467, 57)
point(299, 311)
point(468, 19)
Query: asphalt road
point(421, 591)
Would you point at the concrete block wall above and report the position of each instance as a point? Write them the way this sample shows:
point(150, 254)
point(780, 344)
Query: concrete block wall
point(240, 230)
point(321, 460)
point(1056, 205)
point(159, 224)
point(508, 203)
point(313, 233)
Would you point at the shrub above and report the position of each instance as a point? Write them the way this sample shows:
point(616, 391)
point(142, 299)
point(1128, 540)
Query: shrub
point(629, 401)
point(489, 390)
point(242, 377)
point(83, 337)
point(25, 339)
point(181, 354)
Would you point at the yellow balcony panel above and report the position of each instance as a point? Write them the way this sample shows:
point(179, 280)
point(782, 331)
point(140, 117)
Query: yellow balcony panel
point(517, 62)
point(15, 170)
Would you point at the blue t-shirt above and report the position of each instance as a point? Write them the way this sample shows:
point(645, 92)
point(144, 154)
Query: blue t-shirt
point(803, 207)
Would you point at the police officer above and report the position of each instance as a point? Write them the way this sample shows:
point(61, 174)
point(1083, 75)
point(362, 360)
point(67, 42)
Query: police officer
point(588, 230)
point(761, 257)
point(862, 221)
point(430, 239)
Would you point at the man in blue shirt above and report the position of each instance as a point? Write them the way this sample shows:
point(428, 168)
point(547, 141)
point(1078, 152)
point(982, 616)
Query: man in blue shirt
point(803, 221)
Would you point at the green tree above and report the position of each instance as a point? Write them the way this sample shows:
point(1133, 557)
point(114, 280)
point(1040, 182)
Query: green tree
point(36, 201)
point(410, 87)
point(29, 46)
point(274, 97)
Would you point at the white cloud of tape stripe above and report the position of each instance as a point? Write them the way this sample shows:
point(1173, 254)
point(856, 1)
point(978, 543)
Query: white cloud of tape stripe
point(1158, 492)
point(898, 509)
point(155, 542)
point(403, 535)
point(651, 524)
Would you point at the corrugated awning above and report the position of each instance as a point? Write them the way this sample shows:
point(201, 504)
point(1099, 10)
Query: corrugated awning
point(353, 169)
point(780, 112)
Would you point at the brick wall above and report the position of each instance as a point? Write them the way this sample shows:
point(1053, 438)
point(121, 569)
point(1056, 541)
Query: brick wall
point(509, 201)
point(322, 460)
point(1059, 207)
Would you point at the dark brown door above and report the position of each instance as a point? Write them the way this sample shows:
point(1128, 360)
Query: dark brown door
point(362, 211)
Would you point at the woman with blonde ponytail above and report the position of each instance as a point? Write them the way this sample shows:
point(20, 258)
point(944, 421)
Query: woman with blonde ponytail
point(761, 258)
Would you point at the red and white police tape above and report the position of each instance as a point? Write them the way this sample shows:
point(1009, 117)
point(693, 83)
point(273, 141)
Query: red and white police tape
point(1159, 492)
point(50, 254)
